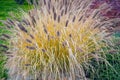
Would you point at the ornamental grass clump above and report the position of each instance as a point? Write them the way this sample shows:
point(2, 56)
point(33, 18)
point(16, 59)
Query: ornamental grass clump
point(54, 40)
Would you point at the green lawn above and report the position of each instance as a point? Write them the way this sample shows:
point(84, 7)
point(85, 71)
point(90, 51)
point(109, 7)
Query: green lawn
point(7, 6)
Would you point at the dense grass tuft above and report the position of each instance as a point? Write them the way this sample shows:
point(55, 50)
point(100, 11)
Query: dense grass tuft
point(7, 7)
point(57, 40)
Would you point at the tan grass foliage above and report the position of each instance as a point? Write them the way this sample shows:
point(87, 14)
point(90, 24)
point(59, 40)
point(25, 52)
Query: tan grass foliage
point(53, 40)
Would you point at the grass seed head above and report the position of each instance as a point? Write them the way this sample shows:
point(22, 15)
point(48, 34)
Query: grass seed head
point(53, 41)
